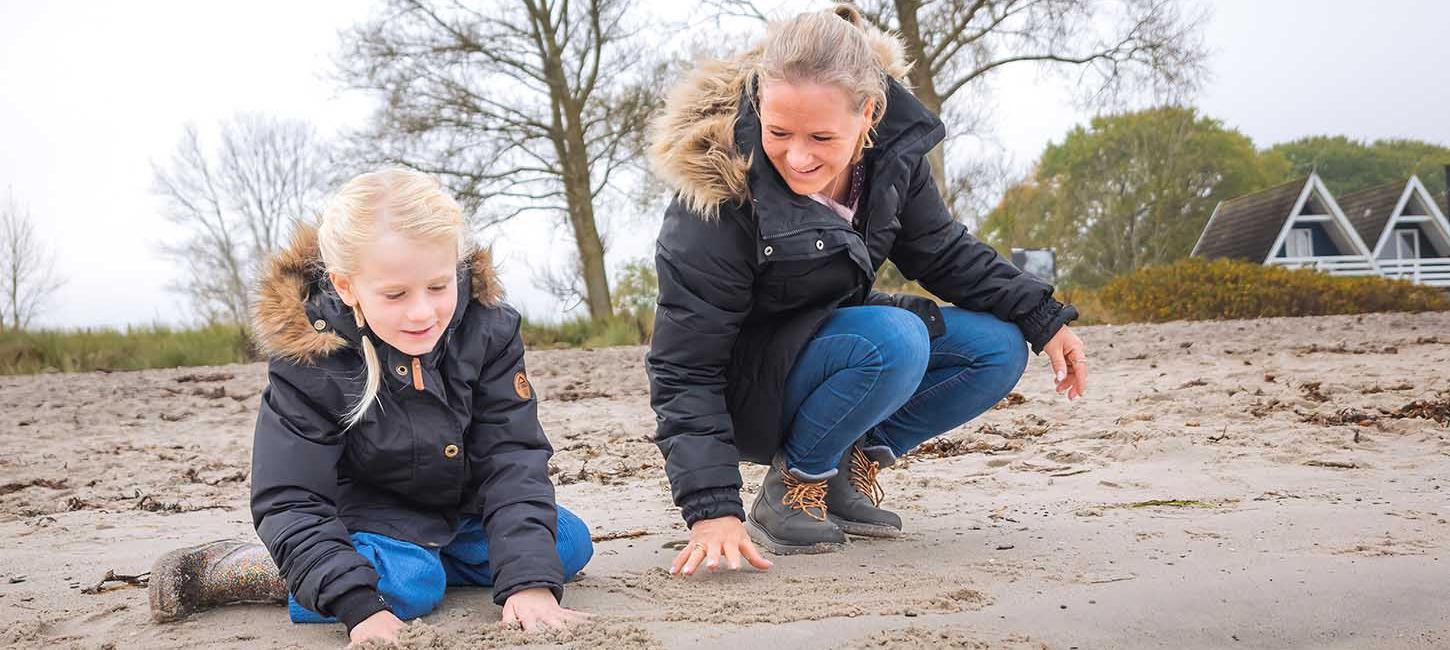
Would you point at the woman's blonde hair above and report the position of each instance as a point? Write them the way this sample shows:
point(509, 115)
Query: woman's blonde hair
point(410, 203)
point(829, 48)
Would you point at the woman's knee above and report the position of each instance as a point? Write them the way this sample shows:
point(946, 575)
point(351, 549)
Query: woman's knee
point(901, 341)
point(410, 578)
point(575, 546)
point(1006, 351)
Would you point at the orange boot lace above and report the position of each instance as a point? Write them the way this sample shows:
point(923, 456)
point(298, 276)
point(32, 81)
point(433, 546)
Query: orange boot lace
point(864, 472)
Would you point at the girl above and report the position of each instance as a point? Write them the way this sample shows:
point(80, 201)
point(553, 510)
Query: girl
point(398, 448)
point(800, 167)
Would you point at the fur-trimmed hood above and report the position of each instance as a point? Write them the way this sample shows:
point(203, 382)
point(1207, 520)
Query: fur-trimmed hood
point(293, 320)
point(693, 145)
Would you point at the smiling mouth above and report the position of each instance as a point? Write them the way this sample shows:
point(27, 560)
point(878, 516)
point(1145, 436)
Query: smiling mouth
point(807, 172)
point(420, 332)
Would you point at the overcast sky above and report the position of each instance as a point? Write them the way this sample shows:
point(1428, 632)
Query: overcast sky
point(91, 93)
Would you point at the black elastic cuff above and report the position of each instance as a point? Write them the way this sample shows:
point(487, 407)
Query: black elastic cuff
point(357, 604)
point(1044, 321)
point(502, 595)
point(710, 504)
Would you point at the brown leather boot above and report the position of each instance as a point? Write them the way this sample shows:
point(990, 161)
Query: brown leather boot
point(199, 577)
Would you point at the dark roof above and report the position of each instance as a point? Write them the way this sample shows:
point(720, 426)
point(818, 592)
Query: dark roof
point(1369, 210)
point(1245, 227)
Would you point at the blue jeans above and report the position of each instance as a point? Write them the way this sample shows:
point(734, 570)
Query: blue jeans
point(872, 371)
point(412, 578)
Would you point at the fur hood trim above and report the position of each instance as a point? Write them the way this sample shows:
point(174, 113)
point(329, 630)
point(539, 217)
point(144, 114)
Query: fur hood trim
point(281, 325)
point(692, 142)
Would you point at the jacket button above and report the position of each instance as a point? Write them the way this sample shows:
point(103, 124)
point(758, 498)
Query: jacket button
point(820, 245)
point(401, 370)
point(450, 451)
point(319, 324)
point(768, 251)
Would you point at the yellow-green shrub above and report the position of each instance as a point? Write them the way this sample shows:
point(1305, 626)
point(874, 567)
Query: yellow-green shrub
point(134, 348)
point(1198, 289)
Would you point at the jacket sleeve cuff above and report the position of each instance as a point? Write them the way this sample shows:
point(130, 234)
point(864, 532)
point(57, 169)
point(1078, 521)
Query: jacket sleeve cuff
point(501, 596)
point(1043, 322)
point(710, 504)
point(356, 605)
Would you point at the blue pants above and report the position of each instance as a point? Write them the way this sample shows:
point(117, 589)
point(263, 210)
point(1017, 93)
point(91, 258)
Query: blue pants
point(412, 578)
point(872, 371)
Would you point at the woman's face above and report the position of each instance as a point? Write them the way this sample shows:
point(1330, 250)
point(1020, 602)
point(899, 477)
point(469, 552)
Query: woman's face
point(407, 290)
point(809, 132)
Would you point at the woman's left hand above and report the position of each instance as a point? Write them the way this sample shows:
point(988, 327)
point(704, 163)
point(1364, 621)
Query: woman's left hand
point(1069, 362)
point(533, 608)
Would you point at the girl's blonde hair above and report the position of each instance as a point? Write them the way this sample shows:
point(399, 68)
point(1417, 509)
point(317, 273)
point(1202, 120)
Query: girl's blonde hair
point(410, 203)
point(830, 48)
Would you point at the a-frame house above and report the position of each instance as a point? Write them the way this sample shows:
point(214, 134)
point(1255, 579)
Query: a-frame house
point(1406, 231)
point(1297, 225)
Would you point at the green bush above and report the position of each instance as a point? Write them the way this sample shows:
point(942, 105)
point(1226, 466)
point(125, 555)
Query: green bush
point(1198, 289)
point(135, 348)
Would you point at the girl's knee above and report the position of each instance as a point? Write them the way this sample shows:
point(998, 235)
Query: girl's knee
point(574, 544)
point(411, 578)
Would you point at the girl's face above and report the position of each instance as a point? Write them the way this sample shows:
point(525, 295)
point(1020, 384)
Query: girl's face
point(809, 132)
point(407, 290)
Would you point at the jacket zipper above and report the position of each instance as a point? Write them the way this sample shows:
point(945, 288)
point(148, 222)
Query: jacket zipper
point(417, 374)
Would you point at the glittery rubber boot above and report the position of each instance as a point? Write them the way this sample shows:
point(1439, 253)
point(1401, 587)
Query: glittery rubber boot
point(199, 577)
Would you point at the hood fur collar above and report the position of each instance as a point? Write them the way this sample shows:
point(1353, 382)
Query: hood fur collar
point(281, 324)
point(692, 143)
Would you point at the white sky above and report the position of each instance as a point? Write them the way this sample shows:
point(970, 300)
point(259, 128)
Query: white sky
point(91, 93)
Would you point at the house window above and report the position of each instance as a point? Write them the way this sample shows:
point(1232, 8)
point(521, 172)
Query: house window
point(1407, 244)
point(1300, 243)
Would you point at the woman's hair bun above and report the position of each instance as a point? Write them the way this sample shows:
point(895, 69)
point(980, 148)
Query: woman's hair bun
point(848, 13)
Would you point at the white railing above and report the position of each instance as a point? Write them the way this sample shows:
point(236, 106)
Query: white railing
point(1333, 265)
point(1431, 271)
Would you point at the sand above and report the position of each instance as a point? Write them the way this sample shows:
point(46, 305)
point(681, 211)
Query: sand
point(1280, 483)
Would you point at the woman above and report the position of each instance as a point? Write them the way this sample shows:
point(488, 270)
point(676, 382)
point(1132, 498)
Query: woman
point(800, 167)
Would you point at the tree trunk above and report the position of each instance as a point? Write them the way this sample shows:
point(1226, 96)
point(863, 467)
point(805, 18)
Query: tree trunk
point(568, 135)
point(586, 235)
point(922, 83)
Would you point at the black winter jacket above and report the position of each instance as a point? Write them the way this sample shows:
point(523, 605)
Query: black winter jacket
point(454, 432)
point(749, 270)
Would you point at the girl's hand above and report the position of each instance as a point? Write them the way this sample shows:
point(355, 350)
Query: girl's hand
point(712, 538)
point(532, 608)
point(382, 626)
point(1069, 363)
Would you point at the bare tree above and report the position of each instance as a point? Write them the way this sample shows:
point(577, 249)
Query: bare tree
point(237, 203)
point(28, 279)
point(521, 106)
point(1109, 46)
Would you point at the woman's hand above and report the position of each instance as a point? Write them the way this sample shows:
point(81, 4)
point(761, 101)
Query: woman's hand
point(533, 608)
point(1069, 363)
point(382, 626)
point(712, 538)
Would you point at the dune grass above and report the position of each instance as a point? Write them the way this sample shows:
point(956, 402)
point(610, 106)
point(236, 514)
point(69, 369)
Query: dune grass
point(132, 348)
point(162, 346)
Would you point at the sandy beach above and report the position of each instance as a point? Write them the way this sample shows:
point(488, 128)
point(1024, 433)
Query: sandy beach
point(1279, 483)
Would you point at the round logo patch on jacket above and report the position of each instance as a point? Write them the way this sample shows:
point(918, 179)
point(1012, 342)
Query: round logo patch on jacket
point(521, 386)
